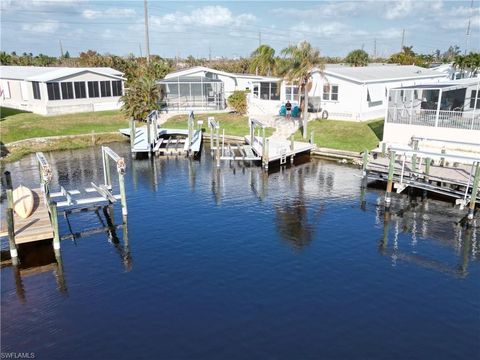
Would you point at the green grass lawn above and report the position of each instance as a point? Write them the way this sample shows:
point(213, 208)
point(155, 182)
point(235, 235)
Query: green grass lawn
point(233, 124)
point(20, 126)
point(345, 135)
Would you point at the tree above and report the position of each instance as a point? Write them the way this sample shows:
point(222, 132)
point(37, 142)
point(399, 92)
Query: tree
point(67, 55)
point(301, 59)
point(140, 98)
point(263, 60)
point(5, 59)
point(407, 57)
point(357, 58)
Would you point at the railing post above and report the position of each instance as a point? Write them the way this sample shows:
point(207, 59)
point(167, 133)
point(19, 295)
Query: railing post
point(473, 198)
point(54, 219)
point(10, 220)
point(438, 107)
point(217, 150)
point(391, 169)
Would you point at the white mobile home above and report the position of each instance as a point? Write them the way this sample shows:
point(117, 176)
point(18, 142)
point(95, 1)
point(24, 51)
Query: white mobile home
point(444, 111)
point(350, 93)
point(60, 90)
point(201, 87)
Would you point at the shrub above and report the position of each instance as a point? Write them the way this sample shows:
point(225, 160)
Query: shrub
point(238, 101)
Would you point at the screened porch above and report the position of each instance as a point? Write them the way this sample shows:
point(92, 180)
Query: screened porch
point(192, 92)
point(447, 105)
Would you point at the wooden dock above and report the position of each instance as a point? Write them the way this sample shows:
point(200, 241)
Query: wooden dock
point(34, 228)
point(256, 147)
point(452, 174)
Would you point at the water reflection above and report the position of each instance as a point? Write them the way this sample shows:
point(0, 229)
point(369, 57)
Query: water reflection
point(426, 221)
point(36, 258)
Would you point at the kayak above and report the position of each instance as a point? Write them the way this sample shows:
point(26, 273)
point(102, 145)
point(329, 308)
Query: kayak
point(23, 201)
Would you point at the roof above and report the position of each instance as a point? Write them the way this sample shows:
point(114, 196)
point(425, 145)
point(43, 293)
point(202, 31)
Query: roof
point(188, 79)
point(41, 73)
point(445, 85)
point(195, 69)
point(379, 73)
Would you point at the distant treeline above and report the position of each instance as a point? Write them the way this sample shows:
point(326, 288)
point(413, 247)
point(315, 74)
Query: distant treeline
point(263, 61)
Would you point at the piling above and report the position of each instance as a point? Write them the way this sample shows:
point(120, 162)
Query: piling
point(132, 134)
point(217, 150)
point(265, 154)
point(414, 156)
point(364, 168)
point(123, 196)
point(473, 197)
point(10, 221)
point(54, 220)
point(292, 148)
point(312, 138)
point(391, 168)
point(384, 149)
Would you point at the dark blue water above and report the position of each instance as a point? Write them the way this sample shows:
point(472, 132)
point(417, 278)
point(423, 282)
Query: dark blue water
point(238, 264)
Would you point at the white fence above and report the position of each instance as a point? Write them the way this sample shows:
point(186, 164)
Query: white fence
point(467, 120)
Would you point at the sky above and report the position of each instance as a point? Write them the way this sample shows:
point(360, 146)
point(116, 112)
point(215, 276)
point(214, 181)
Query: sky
point(235, 28)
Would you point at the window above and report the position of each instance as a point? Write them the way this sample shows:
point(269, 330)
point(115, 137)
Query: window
point(67, 90)
point(475, 95)
point(291, 93)
point(334, 94)
point(105, 88)
point(36, 90)
point(269, 91)
point(93, 89)
point(80, 91)
point(53, 90)
point(117, 88)
point(330, 92)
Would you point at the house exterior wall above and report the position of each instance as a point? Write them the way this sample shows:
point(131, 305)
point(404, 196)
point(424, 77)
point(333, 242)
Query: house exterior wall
point(25, 100)
point(352, 103)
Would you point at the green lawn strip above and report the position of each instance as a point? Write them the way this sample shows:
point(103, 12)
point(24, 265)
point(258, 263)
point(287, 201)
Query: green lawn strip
point(344, 135)
point(234, 124)
point(28, 125)
point(6, 112)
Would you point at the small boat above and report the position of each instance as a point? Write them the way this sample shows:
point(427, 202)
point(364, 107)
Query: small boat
point(23, 201)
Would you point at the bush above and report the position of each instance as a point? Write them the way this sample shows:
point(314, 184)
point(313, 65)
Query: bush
point(238, 101)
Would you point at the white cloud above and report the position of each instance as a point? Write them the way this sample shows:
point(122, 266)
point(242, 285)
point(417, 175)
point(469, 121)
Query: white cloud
point(38, 4)
point(399, 9)
point(108, 13)
point(462, 25)
point(323, 29)
point(209, 16)
point(46, 27)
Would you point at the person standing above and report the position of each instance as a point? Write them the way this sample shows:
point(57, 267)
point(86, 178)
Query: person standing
point(288, 108)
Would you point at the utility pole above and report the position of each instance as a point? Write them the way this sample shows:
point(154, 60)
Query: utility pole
point(147, 41)
point(61, 48)
point(403, 40)
point(363, 46)
point(467, 40)
point(259, 38)
point(375, 48)
point(140, 48)
point(209, 54)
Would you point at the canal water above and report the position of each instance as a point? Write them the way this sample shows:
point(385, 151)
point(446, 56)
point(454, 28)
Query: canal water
point(235, 263)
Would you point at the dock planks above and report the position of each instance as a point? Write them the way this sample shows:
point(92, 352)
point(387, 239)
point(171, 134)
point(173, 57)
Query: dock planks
point(34, 228)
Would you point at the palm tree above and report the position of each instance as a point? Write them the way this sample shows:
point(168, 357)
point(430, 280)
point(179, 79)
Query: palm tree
point(263, 60)
point(357, 58)
point(5, 59)
point(141, 97)
point(459, 63)
point(301, 60)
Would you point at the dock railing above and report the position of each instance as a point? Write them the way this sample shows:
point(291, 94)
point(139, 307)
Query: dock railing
point(468, 120)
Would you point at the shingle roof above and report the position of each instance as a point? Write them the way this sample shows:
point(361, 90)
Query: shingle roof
point(376, 73)
point(40, 73)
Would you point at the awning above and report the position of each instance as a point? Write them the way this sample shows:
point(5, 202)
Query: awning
point(376, 93)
